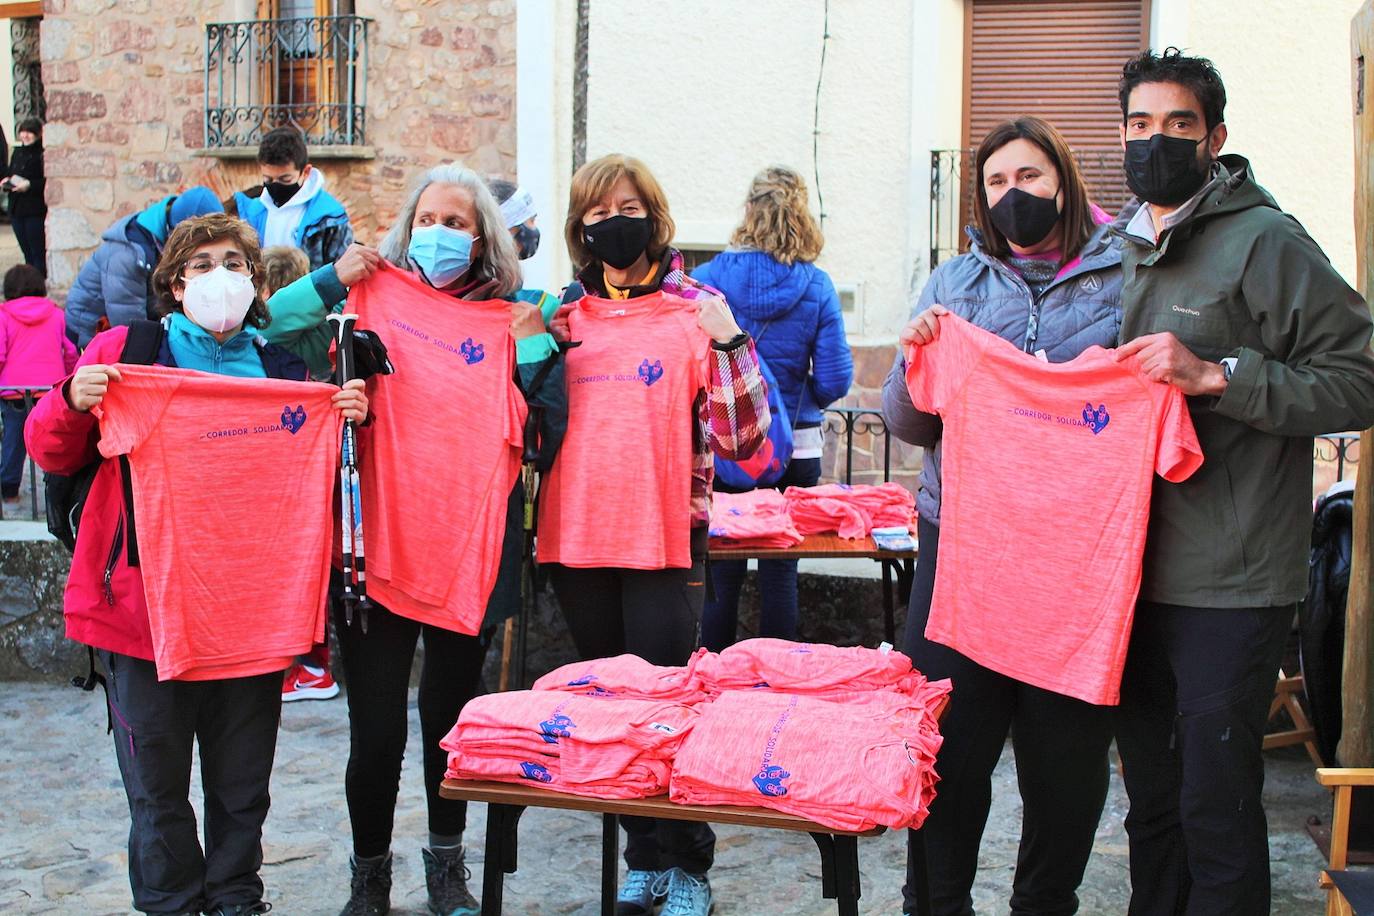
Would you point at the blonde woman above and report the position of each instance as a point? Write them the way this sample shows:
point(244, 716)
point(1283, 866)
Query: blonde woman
point(790, 307)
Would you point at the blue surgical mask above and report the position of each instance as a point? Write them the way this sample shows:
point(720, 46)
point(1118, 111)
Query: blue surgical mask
point(441, 254)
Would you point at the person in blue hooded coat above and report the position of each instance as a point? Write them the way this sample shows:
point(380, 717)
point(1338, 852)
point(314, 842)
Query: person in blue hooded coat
point(790, 307)
point(116, 282)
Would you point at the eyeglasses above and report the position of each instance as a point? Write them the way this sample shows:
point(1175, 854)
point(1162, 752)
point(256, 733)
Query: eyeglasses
point(204, 264)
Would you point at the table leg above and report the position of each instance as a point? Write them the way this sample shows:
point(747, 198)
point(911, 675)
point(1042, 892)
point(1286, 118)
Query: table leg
point(906, 575)
point(889, 618)
point(500, 859)
point(839, 871)
point(610, 854)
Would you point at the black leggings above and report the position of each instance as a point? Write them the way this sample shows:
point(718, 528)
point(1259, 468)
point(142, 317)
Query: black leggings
point(654, 614)
point(376, 667)
point(1060, 745)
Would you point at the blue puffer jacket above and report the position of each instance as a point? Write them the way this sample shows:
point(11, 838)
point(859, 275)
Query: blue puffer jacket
point(113, 283)
point(1080, 309)
point(793, 314)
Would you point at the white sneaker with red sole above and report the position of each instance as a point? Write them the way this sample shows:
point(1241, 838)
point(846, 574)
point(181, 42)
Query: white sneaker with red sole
point(302, 682)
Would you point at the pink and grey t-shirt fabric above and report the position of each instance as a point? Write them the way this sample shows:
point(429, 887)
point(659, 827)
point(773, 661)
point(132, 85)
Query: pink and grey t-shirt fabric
point(1040, 559)
point(852, 765)
point(851, 511)
point(755, 518)
point(595, 746)
point(732, 414)
point(628, 676)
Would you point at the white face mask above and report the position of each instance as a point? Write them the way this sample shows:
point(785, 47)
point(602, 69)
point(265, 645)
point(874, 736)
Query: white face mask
point(219, 300)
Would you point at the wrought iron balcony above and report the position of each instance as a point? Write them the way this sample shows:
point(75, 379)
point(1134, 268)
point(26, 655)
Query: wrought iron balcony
point(307, 73)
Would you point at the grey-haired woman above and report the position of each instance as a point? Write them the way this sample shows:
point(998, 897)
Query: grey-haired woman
point(450, 233)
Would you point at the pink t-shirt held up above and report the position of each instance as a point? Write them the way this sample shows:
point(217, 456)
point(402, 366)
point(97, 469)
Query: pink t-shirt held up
point(1047, 476)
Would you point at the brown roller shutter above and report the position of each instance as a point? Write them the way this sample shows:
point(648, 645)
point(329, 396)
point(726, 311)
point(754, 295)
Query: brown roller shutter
point(1059, 61)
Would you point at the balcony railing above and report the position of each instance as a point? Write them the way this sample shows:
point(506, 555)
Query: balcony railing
point(308, 73)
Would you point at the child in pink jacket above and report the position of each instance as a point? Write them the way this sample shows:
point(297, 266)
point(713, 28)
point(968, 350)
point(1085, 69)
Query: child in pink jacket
point(34, 353)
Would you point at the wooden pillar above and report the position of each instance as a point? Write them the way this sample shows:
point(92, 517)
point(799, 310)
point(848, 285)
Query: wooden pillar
point(1357, 695)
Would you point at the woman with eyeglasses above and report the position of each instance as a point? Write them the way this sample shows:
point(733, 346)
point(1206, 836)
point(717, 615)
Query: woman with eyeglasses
point(207, 286)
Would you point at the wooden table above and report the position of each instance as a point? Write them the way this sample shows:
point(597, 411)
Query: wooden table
point(506, 802)
point(901, 563)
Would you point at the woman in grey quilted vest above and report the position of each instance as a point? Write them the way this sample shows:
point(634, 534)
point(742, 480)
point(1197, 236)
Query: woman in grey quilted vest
point(1042, 273)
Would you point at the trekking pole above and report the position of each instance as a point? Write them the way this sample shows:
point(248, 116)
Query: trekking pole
point(350, 490)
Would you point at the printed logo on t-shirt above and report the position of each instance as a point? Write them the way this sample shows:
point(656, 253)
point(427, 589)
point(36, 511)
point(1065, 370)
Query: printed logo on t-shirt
point(769, 778)
point(582, 681)
point(556, 726)
point(471, 352)
point(650, 373)
point(535, 772)
point(1097, 419)
point(293, 420)
point(595, 691)
point(1093, 418)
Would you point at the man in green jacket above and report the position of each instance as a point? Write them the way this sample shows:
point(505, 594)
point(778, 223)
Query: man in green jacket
point(1227, 298)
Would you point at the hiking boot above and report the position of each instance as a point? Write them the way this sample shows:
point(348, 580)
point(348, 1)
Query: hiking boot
point(256, 908)
point(637, 897)
point(370, 893)
point(446, 877)
point(688, 895)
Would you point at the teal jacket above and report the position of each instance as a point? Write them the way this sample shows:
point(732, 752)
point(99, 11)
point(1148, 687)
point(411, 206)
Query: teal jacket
point(1240, 278)
point(193, 347)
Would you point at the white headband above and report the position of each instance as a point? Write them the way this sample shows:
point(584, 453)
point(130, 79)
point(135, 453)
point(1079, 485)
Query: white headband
point(518, 209)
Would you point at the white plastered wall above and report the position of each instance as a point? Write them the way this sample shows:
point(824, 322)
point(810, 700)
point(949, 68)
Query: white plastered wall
point(1287, 72)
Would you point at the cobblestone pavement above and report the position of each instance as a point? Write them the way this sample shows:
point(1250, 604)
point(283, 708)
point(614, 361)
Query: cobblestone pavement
point(63, 825)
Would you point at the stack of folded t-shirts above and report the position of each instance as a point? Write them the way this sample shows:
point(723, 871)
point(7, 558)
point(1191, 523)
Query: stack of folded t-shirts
point(628, 676)
point(848, 765)
point(756, 518)
point(602, 747)
point(850, 511)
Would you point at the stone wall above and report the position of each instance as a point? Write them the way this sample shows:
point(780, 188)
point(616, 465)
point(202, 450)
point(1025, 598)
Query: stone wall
point(125, 91)
point(33, 574)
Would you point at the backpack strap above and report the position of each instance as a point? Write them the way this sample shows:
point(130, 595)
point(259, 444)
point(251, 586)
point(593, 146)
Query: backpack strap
point(144, 343)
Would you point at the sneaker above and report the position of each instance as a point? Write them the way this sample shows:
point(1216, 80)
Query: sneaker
point(446, 877)
point(301, 682)
point(637, 896)
point(688, 895)
point(370, 889)
point(257, 908)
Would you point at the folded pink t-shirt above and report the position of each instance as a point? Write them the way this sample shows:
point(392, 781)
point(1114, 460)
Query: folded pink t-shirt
point(841, 765)
point(852, 511)
point(756, 518)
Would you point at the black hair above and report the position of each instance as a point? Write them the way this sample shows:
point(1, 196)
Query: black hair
point(32, 125)
point(281, 146)
point(24, 280)
point(1196, 74)
point(501, 189)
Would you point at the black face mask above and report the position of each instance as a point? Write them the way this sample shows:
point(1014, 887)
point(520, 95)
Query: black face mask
point(526, 240)
point(619, 240)
point(1024, 218)
point(280, 191)
point(1164, 170)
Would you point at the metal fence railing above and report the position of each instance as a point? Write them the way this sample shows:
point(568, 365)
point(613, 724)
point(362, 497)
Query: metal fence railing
point(308, 73)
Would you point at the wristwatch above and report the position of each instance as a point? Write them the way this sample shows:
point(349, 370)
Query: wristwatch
point(1228, 366)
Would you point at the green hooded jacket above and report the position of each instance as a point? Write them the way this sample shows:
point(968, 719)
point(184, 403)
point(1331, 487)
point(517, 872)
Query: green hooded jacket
point(1240, 278)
